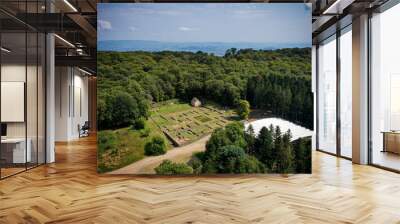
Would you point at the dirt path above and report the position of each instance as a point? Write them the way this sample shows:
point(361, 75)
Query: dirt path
point(179, 154)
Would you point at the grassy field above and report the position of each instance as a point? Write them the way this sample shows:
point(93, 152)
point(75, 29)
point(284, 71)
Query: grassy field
point(122, 147)
point(169, 106)
point(184, 123)
point(178, 120)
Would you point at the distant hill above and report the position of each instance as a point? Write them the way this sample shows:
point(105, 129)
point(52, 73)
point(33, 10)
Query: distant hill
point(217, 48)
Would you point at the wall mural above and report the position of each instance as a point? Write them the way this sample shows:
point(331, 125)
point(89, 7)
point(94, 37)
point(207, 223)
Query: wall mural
point(195, 88)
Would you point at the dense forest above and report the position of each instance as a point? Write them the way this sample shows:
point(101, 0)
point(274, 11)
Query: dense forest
point(235, 150)
point(278, 81)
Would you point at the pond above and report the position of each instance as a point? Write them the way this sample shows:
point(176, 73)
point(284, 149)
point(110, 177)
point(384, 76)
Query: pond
point(296, 130)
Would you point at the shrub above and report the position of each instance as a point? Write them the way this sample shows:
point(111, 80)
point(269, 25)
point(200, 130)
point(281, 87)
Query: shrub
point(209, 166)
point(139, 123)
point(196, 164)
point(168, 167)
point(155, 147)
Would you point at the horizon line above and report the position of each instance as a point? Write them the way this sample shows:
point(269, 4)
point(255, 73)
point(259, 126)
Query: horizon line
point(212, 42)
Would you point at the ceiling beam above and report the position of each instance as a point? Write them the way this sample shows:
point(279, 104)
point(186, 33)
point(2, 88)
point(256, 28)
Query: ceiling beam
point(90, 31)
point(78, 61)
point(337, 7)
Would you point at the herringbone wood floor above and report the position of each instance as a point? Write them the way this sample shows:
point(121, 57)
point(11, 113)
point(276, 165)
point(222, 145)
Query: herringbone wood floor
point(70, 191)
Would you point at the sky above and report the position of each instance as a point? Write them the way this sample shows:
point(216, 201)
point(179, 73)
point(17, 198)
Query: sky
point(205, 22)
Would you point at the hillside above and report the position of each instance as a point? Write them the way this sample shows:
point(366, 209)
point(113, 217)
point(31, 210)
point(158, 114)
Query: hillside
point(275, 80)
point(216, 48)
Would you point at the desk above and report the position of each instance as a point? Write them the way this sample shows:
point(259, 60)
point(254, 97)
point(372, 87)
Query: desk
point(391, 141)
point(13, 150)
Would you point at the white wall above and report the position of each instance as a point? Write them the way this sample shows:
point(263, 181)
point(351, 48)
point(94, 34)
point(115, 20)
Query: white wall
point(33, 126)
point(71, 102)
point(62, 82)
point(14, 72)
point(80, 110)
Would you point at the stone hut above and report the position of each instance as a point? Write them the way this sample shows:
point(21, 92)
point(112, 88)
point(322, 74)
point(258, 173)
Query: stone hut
point(195, 102)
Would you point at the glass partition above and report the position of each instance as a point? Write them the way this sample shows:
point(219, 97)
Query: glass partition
point(327, 95)
point(346, 92)
point(14, 153)
point(22, 77)
point(385, 89)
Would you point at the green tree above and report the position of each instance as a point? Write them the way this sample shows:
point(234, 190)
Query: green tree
point(285, 154)
point(250, 138)
point(231, 52)
point(243, 109)
point(265, 148)
point(123, 108)
point(236, 135)
point(118, 109)
point(302, 151)
point(217, 140)
point(233, 159)
point(139, 95)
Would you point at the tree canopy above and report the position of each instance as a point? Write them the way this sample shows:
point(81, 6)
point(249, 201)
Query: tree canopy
point(235, 150)
point(275, 80)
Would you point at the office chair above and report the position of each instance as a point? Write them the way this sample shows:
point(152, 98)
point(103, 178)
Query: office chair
point(84, 130)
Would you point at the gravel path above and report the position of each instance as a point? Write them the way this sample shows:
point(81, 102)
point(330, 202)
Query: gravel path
point(147, 165)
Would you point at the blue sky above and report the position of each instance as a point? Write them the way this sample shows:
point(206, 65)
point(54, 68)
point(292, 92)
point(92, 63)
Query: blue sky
point(199, 22)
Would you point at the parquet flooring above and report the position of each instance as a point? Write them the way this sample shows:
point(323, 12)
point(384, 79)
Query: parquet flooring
point(70, 191)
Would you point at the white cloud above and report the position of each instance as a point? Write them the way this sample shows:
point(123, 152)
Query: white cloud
point(104, 25)
point(184, 28)
point(132, 28)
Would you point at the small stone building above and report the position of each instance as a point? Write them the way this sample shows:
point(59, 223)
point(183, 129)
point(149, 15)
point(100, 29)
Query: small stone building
point(195, 102)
